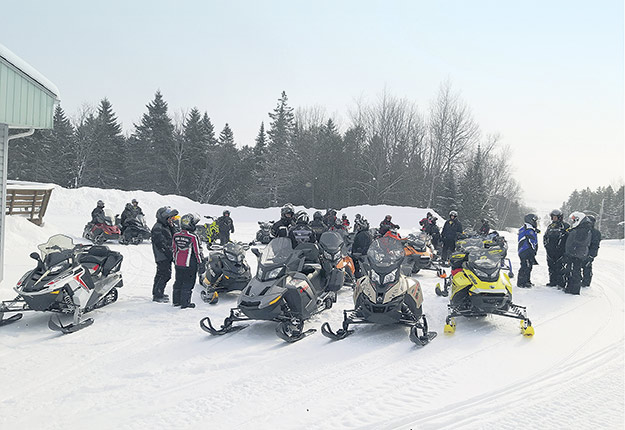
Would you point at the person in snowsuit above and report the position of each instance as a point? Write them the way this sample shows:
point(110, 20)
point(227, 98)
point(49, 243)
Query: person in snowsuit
point(345, 221)
point(226, 226)
point(188, 260)
point(484, 228)
point(301, 232)
point(281, 227)
point(329, 219)
point(576, 251)
point(527, 248)
point(425, 222)
point(162, 234)
point(593, 250)
point(317, 225)
point(387, 224)
point(97, 214)
point(554, 241)
point(362, 241)
point(451, 231)
point(435, 233)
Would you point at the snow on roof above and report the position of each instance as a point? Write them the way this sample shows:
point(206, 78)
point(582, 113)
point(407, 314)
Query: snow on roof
point(29, 70)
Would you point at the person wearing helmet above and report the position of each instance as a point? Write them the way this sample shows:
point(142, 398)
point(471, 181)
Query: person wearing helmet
point(188, 260)
point(317, 225)
point(97, 214)
point(387, 224)
point(345, 221)
point(301, 232)
point(527, 248)
point(329, 219)
point(484, 229)
point(576, 251)
point(451, 231)
point(287, 219)
point(593, 250)
point(226, 226)
point(362, 241)
point(554, 241)
point(162, 236)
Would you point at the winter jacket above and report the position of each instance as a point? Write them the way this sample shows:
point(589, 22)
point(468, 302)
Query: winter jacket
point(528, 242)
point(595, 238)
point(362, 241)
point(130, 212)
point(451, 231)
point(97, 216)
point(578, 241)
point(225, 223)
point(162, 242)
point(329, 220)
point(187, 249)
point(318, 227)
point(282, 222)
point(302, 233)
point(388, 225)
point(555, 239)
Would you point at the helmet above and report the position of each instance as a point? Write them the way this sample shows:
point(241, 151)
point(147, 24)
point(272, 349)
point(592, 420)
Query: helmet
point(362, 225)
point(317, 215)
point(226, 212)
point(100, 204)
point(531, 219)
point(301, 217)
point(428, 215)
point(453, 213)
point(343, 216)
point(134, 201)
point(388, 217)
point(556, 212)
point(189, 221)
point(287, 209)
point(358, 216)
point(338, 222)
point(576, 218)
point(164, 213)
point(592, 219)
point(332, 212)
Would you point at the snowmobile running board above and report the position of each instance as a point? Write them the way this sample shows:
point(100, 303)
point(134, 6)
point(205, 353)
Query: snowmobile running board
point(70, 328)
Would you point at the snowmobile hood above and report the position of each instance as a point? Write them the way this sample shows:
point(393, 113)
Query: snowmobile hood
point(331, 242)
point(385, 252)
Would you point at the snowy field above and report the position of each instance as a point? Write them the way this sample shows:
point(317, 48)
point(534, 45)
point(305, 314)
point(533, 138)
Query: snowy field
point(144, 365)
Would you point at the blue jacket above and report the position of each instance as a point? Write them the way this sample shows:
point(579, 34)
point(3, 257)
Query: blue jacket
point(528, 242)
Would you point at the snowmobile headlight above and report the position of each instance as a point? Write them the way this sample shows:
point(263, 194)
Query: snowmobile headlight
point(55, 270)
point(390, 277)
point(231, 257)
point(375, 277)
point(273, 274)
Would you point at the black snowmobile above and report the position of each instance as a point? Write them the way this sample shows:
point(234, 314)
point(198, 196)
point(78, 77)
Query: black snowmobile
point(69, 279)
point(334, 256)
point(385, 295)
point(289, 287)
point(226, 270)
point(264, 235)
point(135, 231)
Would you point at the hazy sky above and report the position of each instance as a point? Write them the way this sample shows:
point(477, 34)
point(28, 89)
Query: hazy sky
point(546, 75)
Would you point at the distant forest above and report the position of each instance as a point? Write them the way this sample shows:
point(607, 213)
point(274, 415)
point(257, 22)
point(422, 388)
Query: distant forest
point(605, 204)
point(390, 152)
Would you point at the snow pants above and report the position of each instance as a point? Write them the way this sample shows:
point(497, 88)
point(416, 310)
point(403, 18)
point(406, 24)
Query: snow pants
point(448, 248)
point(525, 272)
point(224, 237)
point(574, 275)
point(587, 274)
point(555, 264)
point(163, 275)
point(183, 286)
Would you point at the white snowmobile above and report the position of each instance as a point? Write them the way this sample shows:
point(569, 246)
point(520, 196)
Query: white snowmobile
point(69, 279)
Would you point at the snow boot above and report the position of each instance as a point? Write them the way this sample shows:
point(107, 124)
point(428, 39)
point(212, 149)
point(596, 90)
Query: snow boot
point(176, 298)
point(161, 299)
point(189, 305)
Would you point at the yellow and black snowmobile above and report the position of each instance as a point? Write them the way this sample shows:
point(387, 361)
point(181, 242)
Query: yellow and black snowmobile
point(479, 287)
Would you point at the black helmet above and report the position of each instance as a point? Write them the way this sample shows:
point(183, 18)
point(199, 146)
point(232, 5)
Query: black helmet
point(189, 221)
point(358, 216)
point(558, 213)
point(226, 212)
point(317, 215)
point(134, 201)
point(301, 217)
point(531, 219)
point(287, 209)
point(388, 217)
point(164, 213)
point(100, 204)
point(429, 215)
point(344, 216)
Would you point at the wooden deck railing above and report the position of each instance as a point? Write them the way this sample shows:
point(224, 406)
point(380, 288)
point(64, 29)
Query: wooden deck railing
point(30, 202)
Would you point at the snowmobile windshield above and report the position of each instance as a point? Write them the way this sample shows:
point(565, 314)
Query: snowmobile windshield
point(331, 241)
point(485, 263)
point(234, 252)
point(109, 216)
point(385, 252)
point(56, 243)
point(470, 244)
point(277, 252)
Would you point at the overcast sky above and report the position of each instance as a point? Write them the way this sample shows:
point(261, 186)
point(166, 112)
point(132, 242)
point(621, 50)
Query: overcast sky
point(546, 75)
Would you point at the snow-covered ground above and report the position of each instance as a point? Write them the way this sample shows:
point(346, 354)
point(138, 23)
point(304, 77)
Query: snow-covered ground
point(148, 365)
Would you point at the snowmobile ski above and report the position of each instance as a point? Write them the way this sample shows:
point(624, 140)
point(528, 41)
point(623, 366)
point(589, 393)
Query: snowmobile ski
point(227, 327)
point(423, 339)
point(9, 320)
point(70, 328)
point(327, 331)
point(292, 332)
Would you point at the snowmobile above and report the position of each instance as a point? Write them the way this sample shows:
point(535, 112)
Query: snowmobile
point(208, 232)
point(419, 254)
point(102, 232)
point(135, 231)
point(289, 287)
point(334, 255)
point(385, 295)
point(479, 287)
point(226, 270)
point(69, 279)
point(264, 236)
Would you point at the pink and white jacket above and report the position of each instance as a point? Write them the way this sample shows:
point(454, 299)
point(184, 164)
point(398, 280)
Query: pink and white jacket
point(186, 248)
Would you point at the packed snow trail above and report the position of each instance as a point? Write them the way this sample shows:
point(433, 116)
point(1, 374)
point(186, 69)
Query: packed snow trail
point(149, 365)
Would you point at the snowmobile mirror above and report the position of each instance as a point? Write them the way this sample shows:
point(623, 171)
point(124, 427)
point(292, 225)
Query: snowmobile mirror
point(256, 252)
point(34, 256)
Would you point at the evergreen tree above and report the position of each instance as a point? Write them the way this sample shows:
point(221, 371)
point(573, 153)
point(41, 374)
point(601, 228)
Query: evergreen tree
point(60, 154)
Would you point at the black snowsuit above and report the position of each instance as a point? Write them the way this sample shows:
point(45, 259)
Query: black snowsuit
point(386, 225)
point(282, 222)
point(318, 227)
point(226, 226)
point(554, 241)
point(451, 231)
point(163, 255)
point(130, 212)
point(329, 219)
point(432, 229)
point(576, 254)
point(362, 241)
point(593, 250)
point(302, 233)
point(97, 215)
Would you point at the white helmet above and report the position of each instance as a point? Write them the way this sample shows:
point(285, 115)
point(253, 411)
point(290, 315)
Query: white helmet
point(576, 218)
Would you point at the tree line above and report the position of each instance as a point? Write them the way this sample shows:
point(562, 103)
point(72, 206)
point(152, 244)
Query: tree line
point(390, 152)
point(605, 204)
